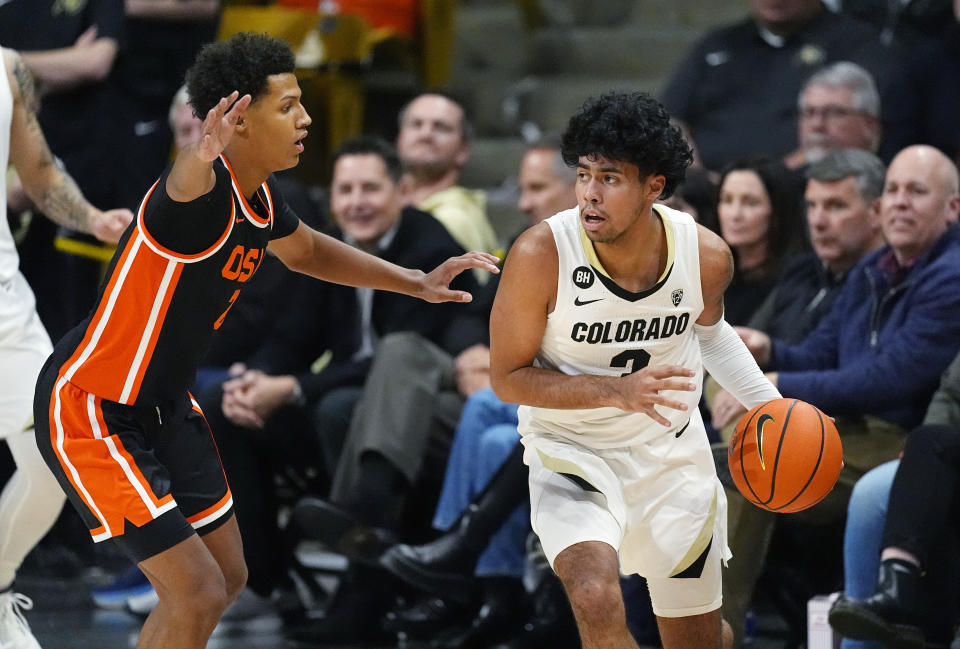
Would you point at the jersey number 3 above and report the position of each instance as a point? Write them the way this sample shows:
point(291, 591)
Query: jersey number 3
point(636, 359)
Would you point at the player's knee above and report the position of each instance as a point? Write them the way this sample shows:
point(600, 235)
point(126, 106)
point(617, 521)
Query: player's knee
point(212, 599)
point(203, 596)
point(593, 597)
point(235, 579)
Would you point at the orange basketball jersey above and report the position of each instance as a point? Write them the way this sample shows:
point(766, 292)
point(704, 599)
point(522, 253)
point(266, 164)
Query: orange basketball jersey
point(177, 271)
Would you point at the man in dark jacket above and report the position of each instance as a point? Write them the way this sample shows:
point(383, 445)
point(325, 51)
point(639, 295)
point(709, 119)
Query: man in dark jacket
point(318, 357)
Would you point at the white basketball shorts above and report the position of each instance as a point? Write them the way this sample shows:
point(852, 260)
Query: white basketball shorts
point(24, 347)
point(659, 504)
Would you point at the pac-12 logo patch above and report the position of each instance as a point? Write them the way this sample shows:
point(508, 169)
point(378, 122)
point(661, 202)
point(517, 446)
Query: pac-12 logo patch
point(676, 296)
point(583, 276)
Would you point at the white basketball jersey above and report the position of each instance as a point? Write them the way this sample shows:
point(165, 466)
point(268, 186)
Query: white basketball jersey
point(9, 262)
point(599, 328)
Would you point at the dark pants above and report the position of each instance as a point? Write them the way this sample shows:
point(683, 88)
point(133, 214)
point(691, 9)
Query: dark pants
point(923, 518)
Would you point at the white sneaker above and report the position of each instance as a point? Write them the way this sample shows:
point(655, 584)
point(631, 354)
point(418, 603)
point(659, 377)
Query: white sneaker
point(14, 630)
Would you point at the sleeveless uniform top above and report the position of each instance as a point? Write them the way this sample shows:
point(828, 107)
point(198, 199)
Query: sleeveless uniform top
point(177, 271)
point(9, 261)
point(599, 328)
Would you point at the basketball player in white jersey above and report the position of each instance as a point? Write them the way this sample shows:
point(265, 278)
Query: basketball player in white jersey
point(606, 316)
point(31, 499)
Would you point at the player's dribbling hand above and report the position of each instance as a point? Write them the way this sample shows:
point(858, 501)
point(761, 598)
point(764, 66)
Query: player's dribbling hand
point(436, 284)
point(218, 125)
point(108, 225)
point(641, 390)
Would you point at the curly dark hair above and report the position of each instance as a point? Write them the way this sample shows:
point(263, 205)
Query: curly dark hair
point(631, 127)
point(242, 63)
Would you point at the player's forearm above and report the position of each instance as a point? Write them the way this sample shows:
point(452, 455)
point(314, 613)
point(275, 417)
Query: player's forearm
point(190, 177)
point(543, 388)
point(58, 197)
point(334, 261)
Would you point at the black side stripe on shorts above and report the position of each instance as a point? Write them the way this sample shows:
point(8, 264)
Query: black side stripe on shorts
point(580, 482)
point(695, 569)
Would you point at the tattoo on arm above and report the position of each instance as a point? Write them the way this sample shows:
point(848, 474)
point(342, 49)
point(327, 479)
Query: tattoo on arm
point(63, 203)
point(61, 199)
point(28, 89)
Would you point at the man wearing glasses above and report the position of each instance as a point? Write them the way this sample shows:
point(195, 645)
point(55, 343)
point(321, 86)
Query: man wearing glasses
point(838, 108)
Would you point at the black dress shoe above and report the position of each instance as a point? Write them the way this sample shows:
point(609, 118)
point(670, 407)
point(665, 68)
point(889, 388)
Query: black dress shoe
point(500, 618)
point(426, 616)
point(430, 568)
point(341, 531)
point(888, 616)
point(351, 618)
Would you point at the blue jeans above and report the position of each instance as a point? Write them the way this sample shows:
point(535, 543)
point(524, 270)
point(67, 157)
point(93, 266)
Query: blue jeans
point(866, 514)
point(486, 434)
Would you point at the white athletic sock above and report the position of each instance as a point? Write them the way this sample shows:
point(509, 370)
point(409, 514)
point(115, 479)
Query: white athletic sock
point(29, 505)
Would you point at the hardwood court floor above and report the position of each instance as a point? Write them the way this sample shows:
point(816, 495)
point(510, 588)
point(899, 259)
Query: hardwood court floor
point(63, 617)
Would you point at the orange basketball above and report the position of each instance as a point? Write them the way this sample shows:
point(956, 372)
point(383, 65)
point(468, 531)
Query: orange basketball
point(785, 455)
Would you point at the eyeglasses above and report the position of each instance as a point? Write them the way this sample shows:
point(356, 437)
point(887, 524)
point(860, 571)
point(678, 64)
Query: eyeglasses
point(828, 112)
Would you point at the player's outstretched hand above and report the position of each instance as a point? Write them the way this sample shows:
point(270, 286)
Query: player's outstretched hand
point(110, 224)
point(436, 284)
point(641, 390)
point(218, 125)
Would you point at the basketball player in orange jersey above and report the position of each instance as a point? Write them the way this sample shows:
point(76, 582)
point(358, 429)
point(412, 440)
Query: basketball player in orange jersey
point(115, 422)
point(605, 316)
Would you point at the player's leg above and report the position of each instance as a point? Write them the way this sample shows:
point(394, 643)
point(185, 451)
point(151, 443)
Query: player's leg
point(578, 534)
point(687, 605)
point(206, 572)
point(590, 575)
point(31, 498)
point(192, 589)
point(704, 630)
point(29, 505)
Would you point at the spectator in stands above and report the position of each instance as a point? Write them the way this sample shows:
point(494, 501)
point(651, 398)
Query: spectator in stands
point(912, 541)
point(839, 107)
point(842, 205)
point(875, 359)
point(434, 145)
point(413, 398)
point(262, 419)
point(738, 87)
point(184, 125)
point(843, 226)
point(759, 214)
